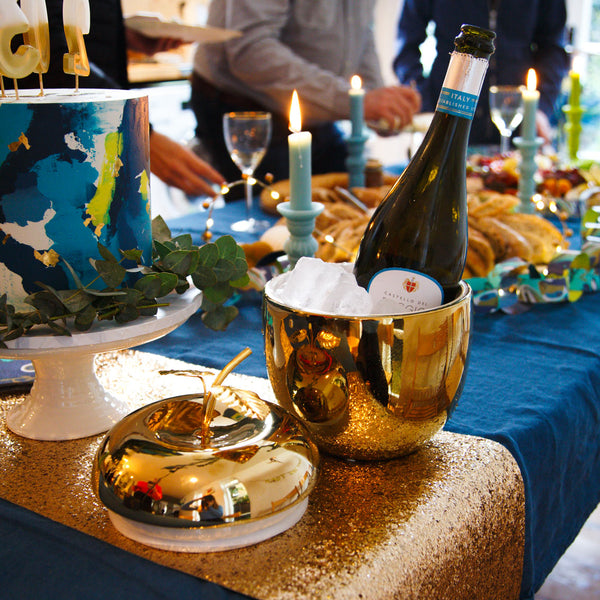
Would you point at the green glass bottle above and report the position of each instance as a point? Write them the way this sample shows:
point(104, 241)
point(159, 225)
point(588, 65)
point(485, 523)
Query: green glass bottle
point(413, 251)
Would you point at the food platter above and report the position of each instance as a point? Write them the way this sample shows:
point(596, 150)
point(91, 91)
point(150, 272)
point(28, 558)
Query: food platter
point(497, 230)
point(514, 259)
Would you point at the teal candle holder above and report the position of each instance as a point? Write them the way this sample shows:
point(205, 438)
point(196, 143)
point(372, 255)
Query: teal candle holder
point(356, 161)
point(572, 129)
point(527, 170)
point(300, 224)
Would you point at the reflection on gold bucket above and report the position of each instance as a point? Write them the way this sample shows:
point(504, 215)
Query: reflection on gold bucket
point(369, 387)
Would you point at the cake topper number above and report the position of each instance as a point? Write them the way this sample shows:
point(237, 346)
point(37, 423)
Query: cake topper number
point(38, 34)
point(31, 20)
point(76, 19)
point(22, 62)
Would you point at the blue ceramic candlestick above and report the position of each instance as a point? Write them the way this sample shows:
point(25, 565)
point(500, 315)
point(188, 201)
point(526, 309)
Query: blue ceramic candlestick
point(301, 224)
point(527, 169)
point(356, 161)
point(300, 212)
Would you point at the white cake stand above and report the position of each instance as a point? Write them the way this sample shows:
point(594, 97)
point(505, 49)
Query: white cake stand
point(67, 401)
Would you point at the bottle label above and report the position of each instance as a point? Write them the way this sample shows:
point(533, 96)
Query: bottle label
point(462, 84)
point(457, 103)
point(398, 291)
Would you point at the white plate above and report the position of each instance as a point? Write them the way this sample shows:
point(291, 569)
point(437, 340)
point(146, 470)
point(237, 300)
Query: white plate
point(154, 26)
point(210, 539)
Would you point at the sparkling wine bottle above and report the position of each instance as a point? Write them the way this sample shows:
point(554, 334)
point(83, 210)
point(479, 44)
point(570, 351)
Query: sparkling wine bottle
point(413, 251)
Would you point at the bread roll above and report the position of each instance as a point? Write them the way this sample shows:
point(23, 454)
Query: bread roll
point(480, 255)
point(505, 241)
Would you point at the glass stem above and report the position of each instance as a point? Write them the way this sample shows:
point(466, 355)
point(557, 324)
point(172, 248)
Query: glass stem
point(248, 187)
point(504, 143)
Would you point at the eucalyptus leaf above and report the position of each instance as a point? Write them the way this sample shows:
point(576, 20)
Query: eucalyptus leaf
point(240, 283)
point(106, 293)
point(74, 275)
point(219, 319)
point(134, 255)
point(204, 277)
point(157, 285)
point(182, 262)
point(131, 297)
point(227, 247)
point(224, 269)
point(161, 249)
point(59, 329)
point(208, 255)
point(150, 285)
point(240, 267)
point(160, 230)
point(183, 241)
point(127, 314)
point(218, 293)
point(112, 273)
point(32, 318)
point(85, 318)
point(106, 254)
point(75, 300)
point(148, 311)
point(46, 303)
point(208, 305)
point(182, 286)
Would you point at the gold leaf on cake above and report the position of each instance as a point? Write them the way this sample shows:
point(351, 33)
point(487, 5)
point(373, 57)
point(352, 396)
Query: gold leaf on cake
point(22, 141)
point(117, 166)
point(48, 259)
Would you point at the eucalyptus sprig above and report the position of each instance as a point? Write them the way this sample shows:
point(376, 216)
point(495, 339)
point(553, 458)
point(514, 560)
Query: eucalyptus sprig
point(218, 269)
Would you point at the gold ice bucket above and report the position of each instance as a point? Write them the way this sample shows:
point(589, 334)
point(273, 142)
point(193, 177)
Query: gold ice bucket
point(369, 387)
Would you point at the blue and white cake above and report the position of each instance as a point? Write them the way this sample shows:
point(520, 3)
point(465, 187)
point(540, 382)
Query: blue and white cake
point(74, 171)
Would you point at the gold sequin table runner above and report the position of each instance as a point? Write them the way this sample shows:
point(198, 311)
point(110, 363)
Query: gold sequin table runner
point(445, 522)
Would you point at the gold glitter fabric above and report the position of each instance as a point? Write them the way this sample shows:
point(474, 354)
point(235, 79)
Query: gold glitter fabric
point(446, 522)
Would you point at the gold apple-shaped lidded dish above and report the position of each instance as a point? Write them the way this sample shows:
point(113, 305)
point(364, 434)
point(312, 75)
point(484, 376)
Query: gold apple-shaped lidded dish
point(206, 472)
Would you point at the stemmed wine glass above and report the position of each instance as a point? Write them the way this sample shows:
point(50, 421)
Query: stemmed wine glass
point(247, 136)
point(506, 110)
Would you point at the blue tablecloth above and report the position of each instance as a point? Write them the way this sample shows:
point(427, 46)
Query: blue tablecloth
point(533, 385)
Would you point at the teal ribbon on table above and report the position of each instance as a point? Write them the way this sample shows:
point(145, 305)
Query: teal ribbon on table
point(514, 285)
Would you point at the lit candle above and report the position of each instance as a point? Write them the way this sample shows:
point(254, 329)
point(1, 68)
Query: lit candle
point(357, 95)
point(531, 97)
point(38, 34)
point(575, 83)
point(22, 62)
point(299, 145)
point(573, 110)
point(76, 21)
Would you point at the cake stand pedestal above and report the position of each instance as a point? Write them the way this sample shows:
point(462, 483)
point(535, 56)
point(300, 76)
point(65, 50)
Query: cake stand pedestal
point(67, 401)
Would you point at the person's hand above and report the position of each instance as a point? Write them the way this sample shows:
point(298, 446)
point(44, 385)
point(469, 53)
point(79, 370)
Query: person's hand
point(178, 166)
point(147, 45)
point(393, 105)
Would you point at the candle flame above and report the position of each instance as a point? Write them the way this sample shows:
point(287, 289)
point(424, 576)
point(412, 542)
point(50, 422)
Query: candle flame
point(295, 115)
point(356, 82)
point(531, 80)
point(578, 64)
